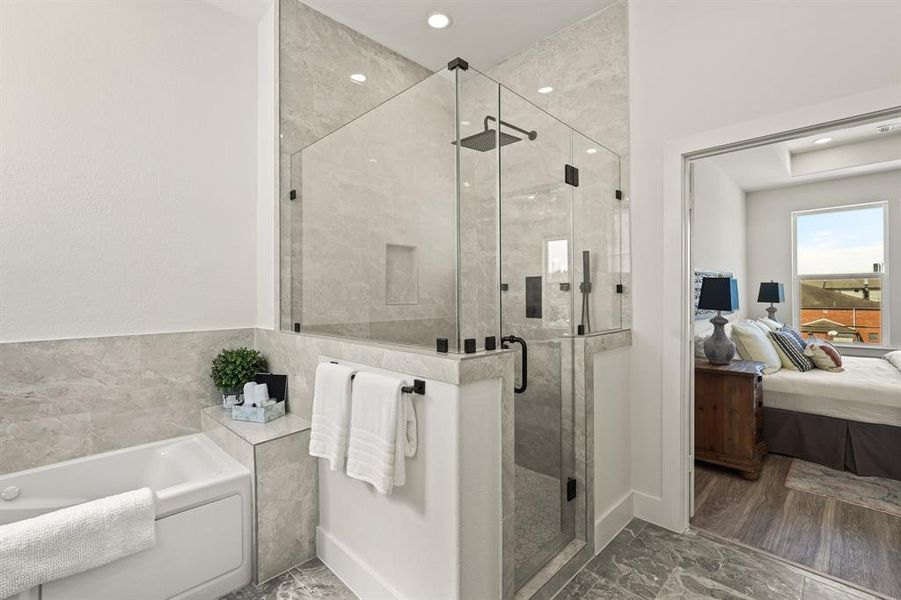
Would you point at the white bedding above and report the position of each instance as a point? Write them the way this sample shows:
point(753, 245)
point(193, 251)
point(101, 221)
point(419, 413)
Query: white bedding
point(868, 390)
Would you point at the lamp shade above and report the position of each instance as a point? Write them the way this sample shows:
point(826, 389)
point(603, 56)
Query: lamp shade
point(718, 293)
point(771, 292)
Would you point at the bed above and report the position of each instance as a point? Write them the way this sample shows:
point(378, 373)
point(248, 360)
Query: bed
point(847, 420)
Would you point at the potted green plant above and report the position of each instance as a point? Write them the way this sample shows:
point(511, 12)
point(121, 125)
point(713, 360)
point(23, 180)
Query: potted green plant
point(232, 368)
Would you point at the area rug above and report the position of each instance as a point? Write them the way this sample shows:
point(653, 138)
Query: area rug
point(874, 493)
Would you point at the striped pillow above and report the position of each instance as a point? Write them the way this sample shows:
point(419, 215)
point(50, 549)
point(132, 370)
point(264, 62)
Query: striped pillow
point(793, 350)
point(824, 355)
point(795, 334)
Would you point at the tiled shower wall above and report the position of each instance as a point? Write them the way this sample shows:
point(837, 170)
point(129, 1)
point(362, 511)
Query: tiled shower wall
point(380, 191)
point(587, 65)
point(65, 399)
point(317, 55)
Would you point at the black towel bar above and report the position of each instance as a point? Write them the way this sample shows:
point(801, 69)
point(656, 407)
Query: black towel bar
point(418, 386)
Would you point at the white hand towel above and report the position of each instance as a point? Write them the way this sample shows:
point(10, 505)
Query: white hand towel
point(331, 410)
point(382, 432)
point(75, 539)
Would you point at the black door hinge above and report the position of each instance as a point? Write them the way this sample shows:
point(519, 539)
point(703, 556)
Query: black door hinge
point(619, 288)
point(570, 489)
point(619, 194)
point(571, 175)
point(292, 195)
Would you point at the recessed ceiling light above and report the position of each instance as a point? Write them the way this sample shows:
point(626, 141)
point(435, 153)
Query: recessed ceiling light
point(467, 184)
point(464, 123)
point(373, 160)
point(591, 150)
point(439, 21)
point(822, 140)
point(358, 77)
point(531, 196)
point(545, 90)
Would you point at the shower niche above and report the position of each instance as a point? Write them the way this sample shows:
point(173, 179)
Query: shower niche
point(458, 209)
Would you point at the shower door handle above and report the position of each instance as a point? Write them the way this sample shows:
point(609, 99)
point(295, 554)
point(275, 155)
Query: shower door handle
point(505, 343)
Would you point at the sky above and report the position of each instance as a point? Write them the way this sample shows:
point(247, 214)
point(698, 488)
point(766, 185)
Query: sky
point(847, 241)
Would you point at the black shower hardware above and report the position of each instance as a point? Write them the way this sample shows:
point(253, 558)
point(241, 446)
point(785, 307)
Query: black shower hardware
point(485, 139)
point(585, 289)
point(418, 386)
point(524, 380)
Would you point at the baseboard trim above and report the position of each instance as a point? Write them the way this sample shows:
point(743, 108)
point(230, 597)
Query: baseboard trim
point(352, 570)
point(609, 524)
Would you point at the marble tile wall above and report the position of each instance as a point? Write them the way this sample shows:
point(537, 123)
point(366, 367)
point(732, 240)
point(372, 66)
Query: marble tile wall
point(587, 65)
point(285, 484)
point(361, 194)
point(65, 399)
point(316, 56)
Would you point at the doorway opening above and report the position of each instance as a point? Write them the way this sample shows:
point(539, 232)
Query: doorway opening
point(794, 417)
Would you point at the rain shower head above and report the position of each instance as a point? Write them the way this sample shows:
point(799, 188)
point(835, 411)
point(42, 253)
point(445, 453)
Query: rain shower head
point(484, 140)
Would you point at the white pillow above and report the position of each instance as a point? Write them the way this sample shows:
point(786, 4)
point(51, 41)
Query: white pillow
point(771, 324)
point(753, 344)
point(699, 348)
point(765, 329)
point(894, 358)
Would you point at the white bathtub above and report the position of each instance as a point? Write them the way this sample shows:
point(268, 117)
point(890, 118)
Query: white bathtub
point(203, 526)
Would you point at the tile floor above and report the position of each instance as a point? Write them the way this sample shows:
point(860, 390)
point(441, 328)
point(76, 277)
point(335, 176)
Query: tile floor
point(310, 581)
point(539, 534)
point(647, 561)
point(643, 562)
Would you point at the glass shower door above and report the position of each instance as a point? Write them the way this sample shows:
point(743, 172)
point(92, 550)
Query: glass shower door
point(536, 305)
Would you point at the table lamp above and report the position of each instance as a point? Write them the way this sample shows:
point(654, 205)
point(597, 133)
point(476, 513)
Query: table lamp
point(719, 294)
point(773, 293)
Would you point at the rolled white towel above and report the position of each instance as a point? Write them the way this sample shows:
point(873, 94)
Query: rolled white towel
point(75, 539)
point(261, 395)
point(250, 393)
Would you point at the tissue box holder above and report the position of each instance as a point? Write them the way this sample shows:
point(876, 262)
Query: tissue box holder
point(259, 415)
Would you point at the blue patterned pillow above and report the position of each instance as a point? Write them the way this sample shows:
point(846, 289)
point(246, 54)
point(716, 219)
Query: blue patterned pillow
point(795, 334)
point(793, 349)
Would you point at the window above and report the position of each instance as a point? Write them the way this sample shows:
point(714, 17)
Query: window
point(840, 274)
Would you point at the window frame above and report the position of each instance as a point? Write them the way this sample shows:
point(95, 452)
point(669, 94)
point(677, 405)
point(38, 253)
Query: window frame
point(884, 276)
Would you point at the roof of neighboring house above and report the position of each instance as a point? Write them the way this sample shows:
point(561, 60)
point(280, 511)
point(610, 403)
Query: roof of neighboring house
point(825, 326)
point(814, 296)
point(874, 283)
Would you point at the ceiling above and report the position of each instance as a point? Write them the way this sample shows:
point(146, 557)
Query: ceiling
point(850, 151)
point(482, 32)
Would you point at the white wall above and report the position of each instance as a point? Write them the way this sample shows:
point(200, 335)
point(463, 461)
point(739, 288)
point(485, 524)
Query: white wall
point(613, 475)
point(718, 232)
point(770, 232)
point(696, 66)
point(128, 168)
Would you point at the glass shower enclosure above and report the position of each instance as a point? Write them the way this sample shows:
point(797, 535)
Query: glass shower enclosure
point(460, 210)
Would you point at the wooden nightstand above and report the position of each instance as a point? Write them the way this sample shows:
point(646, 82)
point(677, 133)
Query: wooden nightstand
point(729, 415)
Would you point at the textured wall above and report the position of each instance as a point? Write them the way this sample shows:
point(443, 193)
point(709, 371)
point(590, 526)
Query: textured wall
point(70, 398)
point(127, 173)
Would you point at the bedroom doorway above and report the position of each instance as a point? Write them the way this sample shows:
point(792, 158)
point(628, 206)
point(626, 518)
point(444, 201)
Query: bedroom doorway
point(793, 248)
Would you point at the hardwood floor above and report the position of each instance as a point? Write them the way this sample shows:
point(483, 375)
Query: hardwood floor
point(850, 542)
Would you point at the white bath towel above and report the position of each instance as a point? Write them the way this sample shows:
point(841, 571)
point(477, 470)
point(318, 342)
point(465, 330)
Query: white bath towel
point(331, 412)
point(74, 539)
point(382, 431)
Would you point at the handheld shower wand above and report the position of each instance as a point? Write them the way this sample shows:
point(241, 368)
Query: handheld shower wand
point(585, 289)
